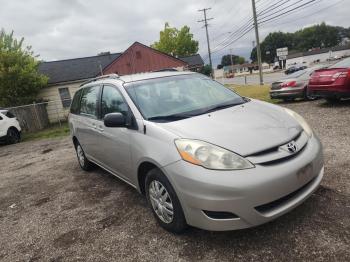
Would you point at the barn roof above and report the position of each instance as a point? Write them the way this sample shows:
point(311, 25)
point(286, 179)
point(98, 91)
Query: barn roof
point(77, 68)
point(193, 60)
point(88, 67)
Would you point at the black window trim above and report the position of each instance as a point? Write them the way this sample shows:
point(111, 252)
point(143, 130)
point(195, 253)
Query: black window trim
point(95, 117)
point(130, 117)
point(79, 99)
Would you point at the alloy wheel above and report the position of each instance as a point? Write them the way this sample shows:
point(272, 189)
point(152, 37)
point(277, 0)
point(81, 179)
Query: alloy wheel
point(81, 156)
point(161, 201)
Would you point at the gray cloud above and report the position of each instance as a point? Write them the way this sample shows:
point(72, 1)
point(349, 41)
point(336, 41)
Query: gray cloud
point(59, 29)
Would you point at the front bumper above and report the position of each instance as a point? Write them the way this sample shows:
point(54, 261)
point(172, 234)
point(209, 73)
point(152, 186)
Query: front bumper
point(287, 93)
point(330, 94)
point(244, 192)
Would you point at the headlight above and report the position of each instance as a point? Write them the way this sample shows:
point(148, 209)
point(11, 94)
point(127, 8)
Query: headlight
point(210, 156)
point(301, 121)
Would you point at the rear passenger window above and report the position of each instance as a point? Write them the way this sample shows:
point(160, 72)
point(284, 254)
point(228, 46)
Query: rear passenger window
point(88, 104)
point(74, 109)
point(9, 115)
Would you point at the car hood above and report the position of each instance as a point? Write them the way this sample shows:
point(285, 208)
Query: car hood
point(245, 129)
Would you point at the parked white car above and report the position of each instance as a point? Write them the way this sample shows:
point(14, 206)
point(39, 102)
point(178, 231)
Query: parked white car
point(10, 130)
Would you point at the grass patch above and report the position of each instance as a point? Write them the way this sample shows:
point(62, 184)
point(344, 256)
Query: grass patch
point(254, 91)
point(50, 132)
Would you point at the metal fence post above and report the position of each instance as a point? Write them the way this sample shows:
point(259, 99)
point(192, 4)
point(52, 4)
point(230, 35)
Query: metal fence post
point(38, 123)
point(245, 80)
point(58, 115)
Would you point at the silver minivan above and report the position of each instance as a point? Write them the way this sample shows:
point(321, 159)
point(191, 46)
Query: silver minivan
point(201, 154)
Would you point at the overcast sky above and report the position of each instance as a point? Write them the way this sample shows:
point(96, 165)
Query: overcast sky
point(60, 29)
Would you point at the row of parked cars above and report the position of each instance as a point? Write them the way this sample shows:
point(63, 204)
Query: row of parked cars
point(331, 83)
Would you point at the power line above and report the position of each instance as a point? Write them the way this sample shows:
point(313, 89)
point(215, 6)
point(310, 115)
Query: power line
point(286, 12)
point(269, 17)
point(308, 15)
point(229, 40)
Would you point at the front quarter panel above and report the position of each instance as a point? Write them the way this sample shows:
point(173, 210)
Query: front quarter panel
point(154, 145)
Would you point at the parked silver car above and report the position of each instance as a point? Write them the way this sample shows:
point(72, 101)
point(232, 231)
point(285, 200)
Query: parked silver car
point(202, 155)
point(293, 86)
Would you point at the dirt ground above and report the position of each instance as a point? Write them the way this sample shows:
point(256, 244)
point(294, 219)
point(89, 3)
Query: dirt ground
point(50, 210)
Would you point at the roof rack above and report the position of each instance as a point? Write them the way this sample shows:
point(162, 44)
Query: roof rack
point(112, 76)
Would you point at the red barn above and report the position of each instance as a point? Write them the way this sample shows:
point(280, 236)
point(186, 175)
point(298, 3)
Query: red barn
point(139, 58)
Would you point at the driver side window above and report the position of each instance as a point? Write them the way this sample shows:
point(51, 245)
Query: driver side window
point(112, 102)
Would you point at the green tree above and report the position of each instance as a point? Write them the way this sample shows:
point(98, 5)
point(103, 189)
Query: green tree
point(317, 36)
point(270, 44)
point(226, 60)
point(20, 81)
point(176, 42)
point(206, 70)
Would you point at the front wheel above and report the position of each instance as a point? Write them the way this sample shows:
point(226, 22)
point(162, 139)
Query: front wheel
point(164, 203)
point(332, 100)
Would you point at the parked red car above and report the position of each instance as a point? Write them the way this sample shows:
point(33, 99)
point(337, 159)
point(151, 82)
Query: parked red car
point(332, 83)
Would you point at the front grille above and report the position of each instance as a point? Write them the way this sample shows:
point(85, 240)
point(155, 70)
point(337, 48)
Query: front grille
point(281, 160)
point(268, 207)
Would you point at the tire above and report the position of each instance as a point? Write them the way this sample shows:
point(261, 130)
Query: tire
point(289, 99)
point(84, 163)
point(307, 97)
point(332, 100)
point(164, 202)
point(13, 136)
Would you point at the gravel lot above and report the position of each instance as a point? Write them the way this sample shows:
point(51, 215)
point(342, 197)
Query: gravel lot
point(50, 210)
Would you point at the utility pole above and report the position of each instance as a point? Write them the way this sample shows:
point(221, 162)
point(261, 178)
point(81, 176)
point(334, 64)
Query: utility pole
point(205, 20)
point(258, 50)
point(231, 58)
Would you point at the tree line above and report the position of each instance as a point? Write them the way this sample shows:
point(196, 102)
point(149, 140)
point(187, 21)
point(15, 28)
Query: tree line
point(317, 36)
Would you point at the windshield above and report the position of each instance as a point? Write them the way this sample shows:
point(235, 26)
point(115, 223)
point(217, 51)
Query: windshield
point(179, 97)
point(342, 64)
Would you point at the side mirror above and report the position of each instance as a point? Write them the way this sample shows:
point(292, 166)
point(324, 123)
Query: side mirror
point(114, 120)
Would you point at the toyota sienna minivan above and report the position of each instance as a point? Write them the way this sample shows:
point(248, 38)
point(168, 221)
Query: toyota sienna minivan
point(200, 153)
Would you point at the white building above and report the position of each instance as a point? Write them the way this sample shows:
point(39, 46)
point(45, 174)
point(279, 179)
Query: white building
point(323, 55)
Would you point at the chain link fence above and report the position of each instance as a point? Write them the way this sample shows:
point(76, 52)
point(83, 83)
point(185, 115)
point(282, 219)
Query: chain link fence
point(38, 116)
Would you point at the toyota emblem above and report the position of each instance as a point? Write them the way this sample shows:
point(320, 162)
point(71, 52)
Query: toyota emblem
point(292, 147)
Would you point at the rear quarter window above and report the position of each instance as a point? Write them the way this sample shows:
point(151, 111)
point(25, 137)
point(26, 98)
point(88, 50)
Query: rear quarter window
point(75, 106)
point(10, 115)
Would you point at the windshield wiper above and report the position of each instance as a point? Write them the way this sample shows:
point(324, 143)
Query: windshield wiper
point(169, 117)
point(222, 106)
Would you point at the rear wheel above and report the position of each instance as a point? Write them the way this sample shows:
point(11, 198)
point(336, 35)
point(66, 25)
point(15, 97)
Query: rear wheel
point(13, 136)
point(288, 99)
point(84, 163)
point(164, 203)
point(307, 95)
